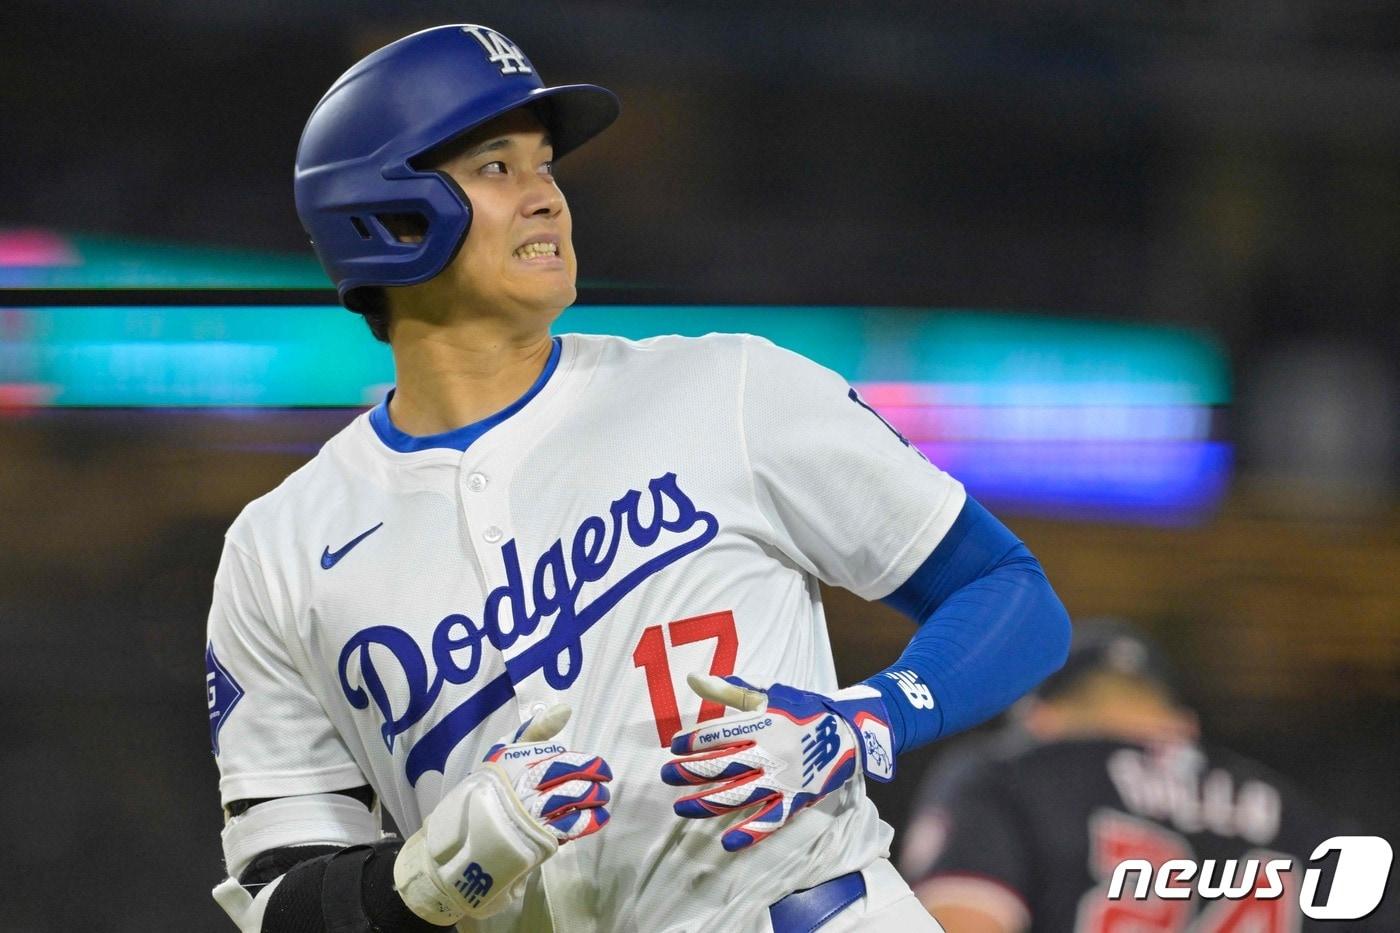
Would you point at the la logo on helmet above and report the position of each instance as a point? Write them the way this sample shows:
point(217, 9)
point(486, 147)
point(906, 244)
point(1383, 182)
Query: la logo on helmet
point(501, 50)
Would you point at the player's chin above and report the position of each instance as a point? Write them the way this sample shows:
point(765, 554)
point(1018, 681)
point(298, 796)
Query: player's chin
point(557, 297)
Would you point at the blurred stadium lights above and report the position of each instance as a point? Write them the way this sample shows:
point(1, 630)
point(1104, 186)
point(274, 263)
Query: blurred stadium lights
point(1061, 417)
point(42, 258)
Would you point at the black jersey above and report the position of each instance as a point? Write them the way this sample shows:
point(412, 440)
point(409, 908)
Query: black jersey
point(1050, 822)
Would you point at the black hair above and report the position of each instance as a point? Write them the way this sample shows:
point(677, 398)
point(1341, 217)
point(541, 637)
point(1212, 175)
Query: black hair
point(372, 303)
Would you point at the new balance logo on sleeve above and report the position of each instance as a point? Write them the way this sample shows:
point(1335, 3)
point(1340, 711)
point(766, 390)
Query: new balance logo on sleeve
point(915, 690)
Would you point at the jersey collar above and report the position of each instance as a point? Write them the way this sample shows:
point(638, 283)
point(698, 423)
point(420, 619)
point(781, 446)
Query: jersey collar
point(458, 438)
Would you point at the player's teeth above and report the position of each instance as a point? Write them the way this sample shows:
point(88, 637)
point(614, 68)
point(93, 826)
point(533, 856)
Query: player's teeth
point(532, 250)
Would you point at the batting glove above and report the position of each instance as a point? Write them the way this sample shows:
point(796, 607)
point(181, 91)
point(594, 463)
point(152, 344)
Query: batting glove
point(785, 750)
point(565, 791)
point(529, 796)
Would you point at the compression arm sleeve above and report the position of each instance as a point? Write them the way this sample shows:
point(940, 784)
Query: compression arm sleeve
point(990, 629)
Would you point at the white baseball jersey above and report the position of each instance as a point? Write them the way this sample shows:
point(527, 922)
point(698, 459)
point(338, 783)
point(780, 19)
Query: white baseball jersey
point(651, 508)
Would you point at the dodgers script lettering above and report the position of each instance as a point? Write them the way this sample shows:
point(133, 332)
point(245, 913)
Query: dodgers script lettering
point(513, 611)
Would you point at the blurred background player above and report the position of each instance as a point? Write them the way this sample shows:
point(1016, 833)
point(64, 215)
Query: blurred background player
point(1021, 830)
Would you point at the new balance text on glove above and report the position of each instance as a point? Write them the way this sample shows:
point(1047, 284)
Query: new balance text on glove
point(785, 750)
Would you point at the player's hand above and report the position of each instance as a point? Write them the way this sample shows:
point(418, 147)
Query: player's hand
point(564, 791)
point(783, 751)
point(475, 850)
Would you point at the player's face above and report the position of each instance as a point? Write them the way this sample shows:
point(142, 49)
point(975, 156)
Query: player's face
point(519, 254)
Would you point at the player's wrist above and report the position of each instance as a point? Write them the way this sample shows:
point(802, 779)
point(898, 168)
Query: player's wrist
point(864, 710)
point(914, 714)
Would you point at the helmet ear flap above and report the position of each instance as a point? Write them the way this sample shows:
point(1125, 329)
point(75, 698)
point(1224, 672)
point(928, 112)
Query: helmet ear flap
point(391, 226)
point(407, 228)
point(404, 226)
point(399, 240)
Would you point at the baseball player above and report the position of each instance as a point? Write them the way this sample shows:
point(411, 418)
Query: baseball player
point(554, 603)
point(1023, 832)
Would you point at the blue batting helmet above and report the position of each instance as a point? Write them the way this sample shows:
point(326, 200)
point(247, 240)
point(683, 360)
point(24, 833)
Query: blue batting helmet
point(356, 165)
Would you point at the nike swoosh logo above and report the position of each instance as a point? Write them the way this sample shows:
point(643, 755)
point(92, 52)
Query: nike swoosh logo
point(329, 559)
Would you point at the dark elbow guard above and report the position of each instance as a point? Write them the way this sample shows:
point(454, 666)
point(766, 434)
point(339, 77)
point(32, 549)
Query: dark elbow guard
point(327, 890)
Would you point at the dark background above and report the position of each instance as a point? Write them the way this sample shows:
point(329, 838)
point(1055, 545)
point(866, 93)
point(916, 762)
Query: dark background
point(1230, 166)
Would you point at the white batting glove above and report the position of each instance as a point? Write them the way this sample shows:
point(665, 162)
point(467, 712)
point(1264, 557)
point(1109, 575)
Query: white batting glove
point(785, 750)
point(564, 791)
point(474, 851)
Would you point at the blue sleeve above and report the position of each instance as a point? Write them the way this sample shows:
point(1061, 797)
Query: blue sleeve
point(990, 629)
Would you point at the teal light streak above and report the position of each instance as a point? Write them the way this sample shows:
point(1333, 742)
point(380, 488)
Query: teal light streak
point(324, 356)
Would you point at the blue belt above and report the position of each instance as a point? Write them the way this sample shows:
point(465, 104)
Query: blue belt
point(804, 911)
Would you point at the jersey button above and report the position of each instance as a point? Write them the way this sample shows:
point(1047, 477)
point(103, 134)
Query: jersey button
point(492, 534)
point(476, 482)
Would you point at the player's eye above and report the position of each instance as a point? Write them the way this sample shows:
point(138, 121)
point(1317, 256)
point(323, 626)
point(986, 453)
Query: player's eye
point(547, 168)
point(493, 168)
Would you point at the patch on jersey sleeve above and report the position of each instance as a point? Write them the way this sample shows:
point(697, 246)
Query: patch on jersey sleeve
point(224, 694)
point(854, 396)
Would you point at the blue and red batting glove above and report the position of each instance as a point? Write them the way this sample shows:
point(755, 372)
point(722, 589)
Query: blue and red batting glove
point(785, 750)
point(563, 790)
